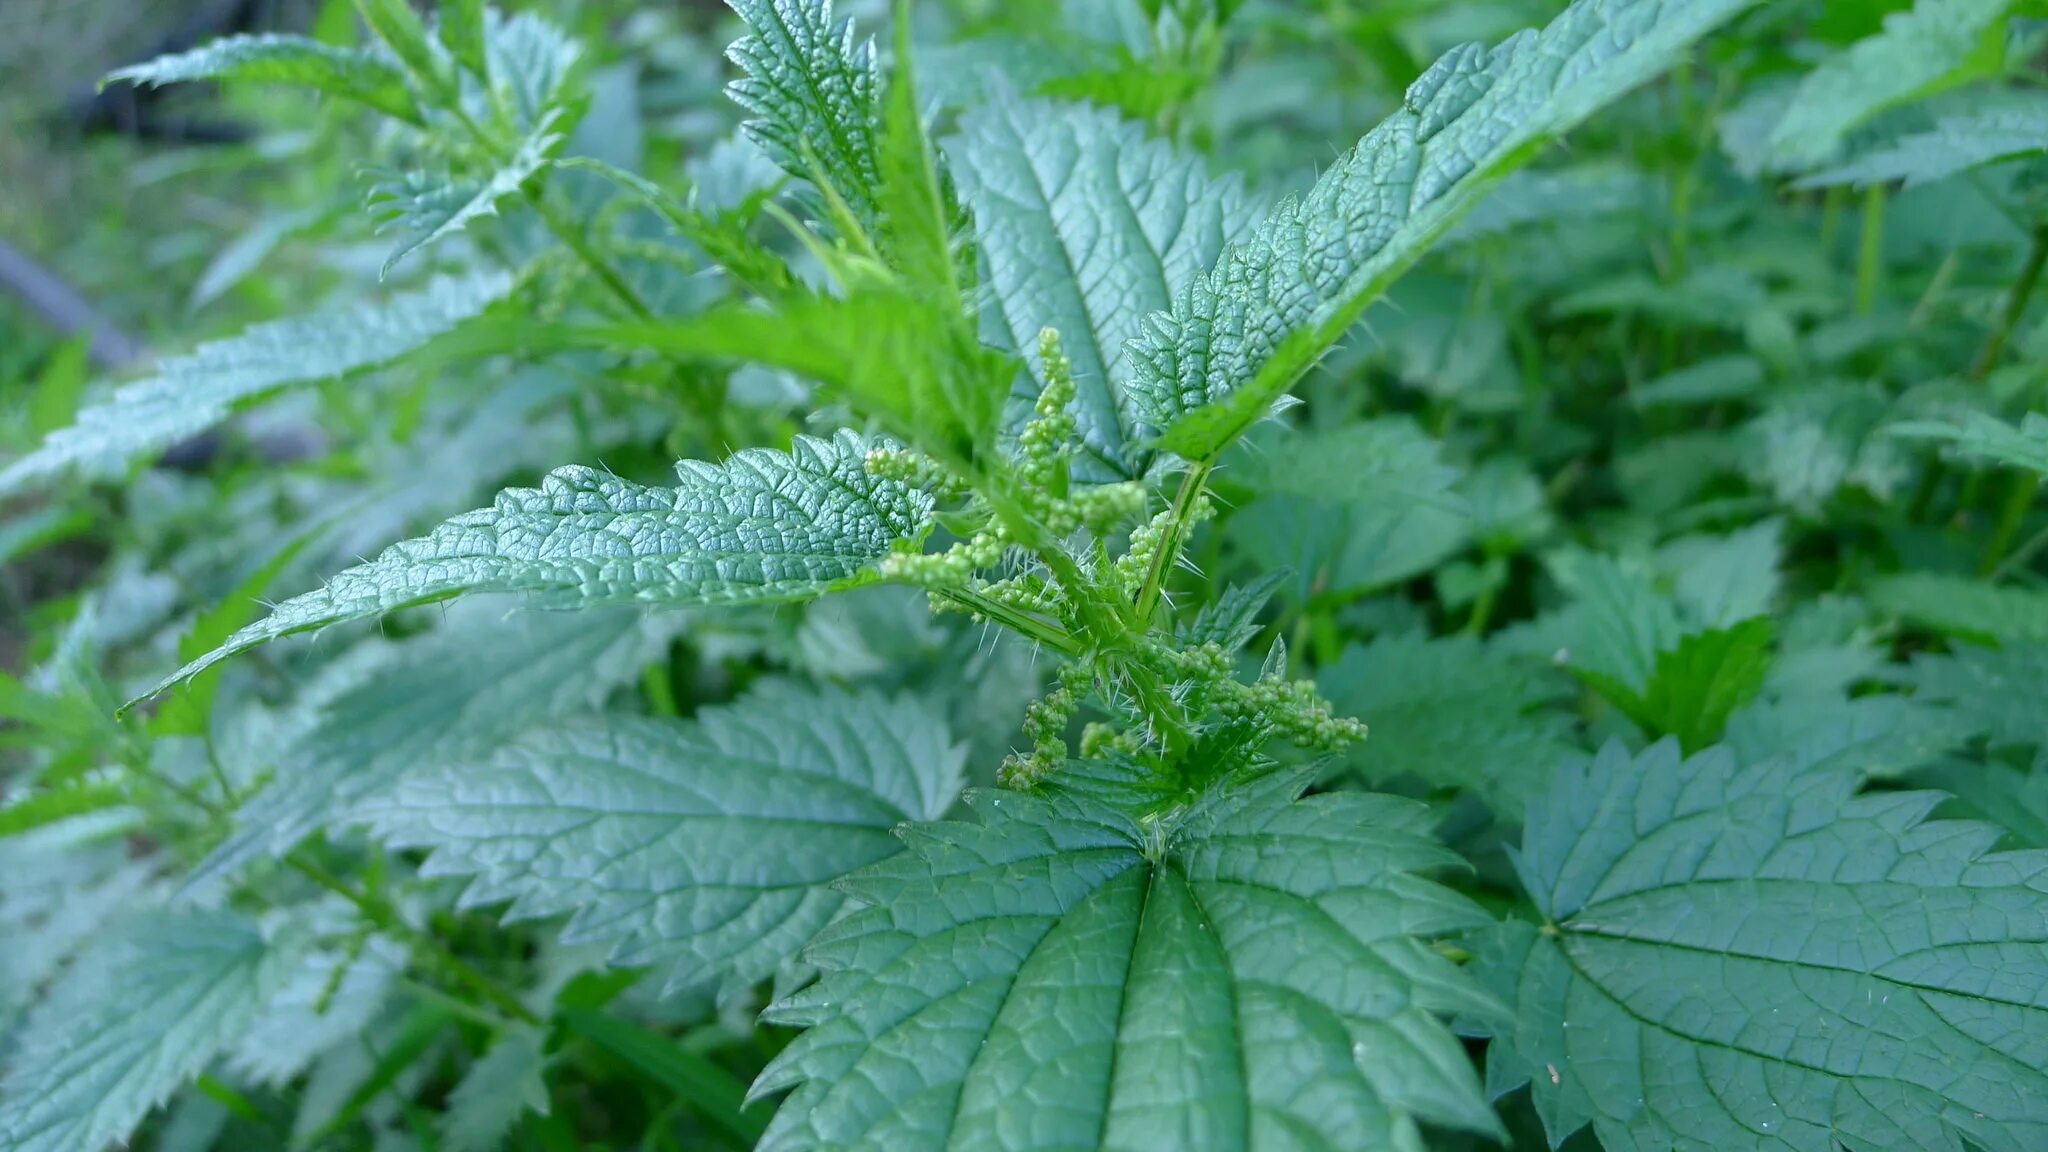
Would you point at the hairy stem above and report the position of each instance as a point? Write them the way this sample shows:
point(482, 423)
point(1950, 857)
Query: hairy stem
point(384, 916)
point(1169, 548)
point(1037, 628)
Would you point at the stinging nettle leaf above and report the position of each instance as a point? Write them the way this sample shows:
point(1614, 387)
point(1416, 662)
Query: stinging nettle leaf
point(1753, 956)
point(1917, 53)
point(1956, 143)
point(1246, 973)
point(762, 526)
point(814, 92)
point(146, 1008)
point(1239, 335)
point(705, 847)
point(1982, 436)
point(1451, 713)
point(503, 1085)
point(424, 208)
point(352, 74)
point(457, 694)
point(1960, 606)
point(1085, 223)
point(191, 393)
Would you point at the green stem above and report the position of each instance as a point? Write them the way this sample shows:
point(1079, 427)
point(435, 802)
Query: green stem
point(1043, 631)
point(387, 918)
point(2018, 499)
point(2015, 307)
point(2019, 557)
point(571, 233)
point(374, 910)
point(1169, 548)
point(1870, 259)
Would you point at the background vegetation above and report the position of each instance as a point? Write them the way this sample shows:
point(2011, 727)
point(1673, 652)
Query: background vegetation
point(1715, 426)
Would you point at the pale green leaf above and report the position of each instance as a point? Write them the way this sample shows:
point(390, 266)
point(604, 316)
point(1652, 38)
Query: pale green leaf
point(1346, 509)
point(815, 96)
point(2016, 801)
point(144, 1010)
point(1998, 693)
point(1880, 736)
point(329, 995)
point(707, 847)
point(1917, 53)
point(352, 74)
point(471, 686)
point(1239, 335)
point(1085, 223)
point(424, 208)
point(1982, 436)
point(501, 1087)
point(532, 61)
point(1957, 143)
point(1708, 381)
point(1452, 714)
point(1247, 972)
point(1749, 955)
point(1722, 580)
point(1960, 606)
point(1614, 623)
point(1808, 445)
point(191, 393)
point(763, 526)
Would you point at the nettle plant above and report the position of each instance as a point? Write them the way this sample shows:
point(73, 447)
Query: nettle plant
point(1153, 932)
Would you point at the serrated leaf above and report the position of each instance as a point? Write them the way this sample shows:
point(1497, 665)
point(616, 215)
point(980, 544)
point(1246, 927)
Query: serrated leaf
point(815, 96)
point(1718, 581)
point(191, 393)
point(1346, 509)
point(1452, 714)
point(532, 60)
point(463, 690)
point(1879, 736)
point(145, 1009)
point(1981, 436)
point(1999, 693)
point(1917, 53)
point(1960, 606)
point(1613, 626)
point(501, 1087)
point(352, 74)
point(1084, 223)
point(58, 885)
point(327, 996)
point(1699, 683)
point(424, 208)
point(1807, 445)
point(2016, 801)
point(1238, 336)
point(763, 526)
point(1245, 974)
point(1752, 956)
point(706, 848)
point(1955, 144)
point(1231, 619)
